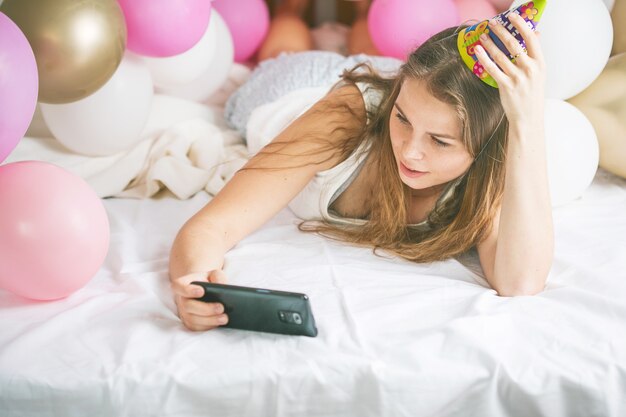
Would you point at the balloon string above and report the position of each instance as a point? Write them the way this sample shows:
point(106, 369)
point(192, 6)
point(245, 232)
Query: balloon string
point(463, 25)
point(490, 137)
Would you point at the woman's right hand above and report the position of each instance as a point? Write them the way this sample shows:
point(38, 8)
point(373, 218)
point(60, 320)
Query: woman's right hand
point(198, 315)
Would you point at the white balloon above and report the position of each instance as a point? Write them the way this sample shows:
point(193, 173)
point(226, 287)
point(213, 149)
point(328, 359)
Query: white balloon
point(576, 39)
point(572, 151)
point(171, 72)
point(202, 87)
point(111, 119)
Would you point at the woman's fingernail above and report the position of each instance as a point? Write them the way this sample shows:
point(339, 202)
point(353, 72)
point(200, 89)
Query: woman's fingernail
point(492, 22)
point(223, 320)
point(219, 309)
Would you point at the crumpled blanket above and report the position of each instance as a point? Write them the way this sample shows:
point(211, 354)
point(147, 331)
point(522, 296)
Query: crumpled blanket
point(187, 147)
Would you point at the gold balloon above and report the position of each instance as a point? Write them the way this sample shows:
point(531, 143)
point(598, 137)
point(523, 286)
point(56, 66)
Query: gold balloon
point(618, 16)
point(604, 104)
point(78, 44)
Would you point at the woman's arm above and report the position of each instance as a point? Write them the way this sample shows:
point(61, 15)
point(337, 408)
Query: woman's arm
point(253, 196)
point(517, 254)
point(198, 247)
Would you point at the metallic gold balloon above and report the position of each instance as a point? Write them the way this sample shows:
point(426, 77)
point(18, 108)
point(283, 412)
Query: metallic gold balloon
point(604, 104)
point(78, 44)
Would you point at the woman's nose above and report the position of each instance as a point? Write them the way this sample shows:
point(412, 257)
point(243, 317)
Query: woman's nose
point(414, 149)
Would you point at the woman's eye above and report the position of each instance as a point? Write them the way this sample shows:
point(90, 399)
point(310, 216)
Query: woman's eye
point(434, 138)
point(440, 142)
point(402, 119)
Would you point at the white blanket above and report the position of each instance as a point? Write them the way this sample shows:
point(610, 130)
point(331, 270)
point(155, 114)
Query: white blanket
point(186, 147)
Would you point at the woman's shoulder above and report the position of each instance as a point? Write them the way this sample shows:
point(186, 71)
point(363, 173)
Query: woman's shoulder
point(370, 96)
point(322, 136)
point(338, 119)
point(350, 94)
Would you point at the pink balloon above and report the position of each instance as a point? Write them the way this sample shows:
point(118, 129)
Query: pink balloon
point(474, 11)
point(248, 28)
point(502, 5)
point(162, 28)
point(54, 231)
point(19, 85)
point(397, 27)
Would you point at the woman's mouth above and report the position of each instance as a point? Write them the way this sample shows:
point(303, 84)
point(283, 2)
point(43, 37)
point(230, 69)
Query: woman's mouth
point(411, 173)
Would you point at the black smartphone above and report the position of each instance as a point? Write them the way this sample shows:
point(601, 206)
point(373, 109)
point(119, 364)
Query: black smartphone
point(261, 309)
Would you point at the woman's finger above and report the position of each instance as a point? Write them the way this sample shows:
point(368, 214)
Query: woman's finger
point(217, 276)
point(201, 308)
point(531, 38)
point(497, 55)
point(201, 323)
point(491, 68)
point(507, 39)
point(187, 290)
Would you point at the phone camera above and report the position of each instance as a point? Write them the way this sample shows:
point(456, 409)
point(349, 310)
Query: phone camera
point(290, 317)
point(297, 319)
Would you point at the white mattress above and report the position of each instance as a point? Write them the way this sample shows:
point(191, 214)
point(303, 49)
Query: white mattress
point(395, 338)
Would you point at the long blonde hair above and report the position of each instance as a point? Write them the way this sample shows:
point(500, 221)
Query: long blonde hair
point(462, 220)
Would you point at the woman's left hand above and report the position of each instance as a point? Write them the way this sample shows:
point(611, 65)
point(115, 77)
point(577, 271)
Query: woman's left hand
point(521, 83)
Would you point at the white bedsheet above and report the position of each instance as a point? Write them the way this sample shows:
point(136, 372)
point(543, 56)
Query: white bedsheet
point(395, 338)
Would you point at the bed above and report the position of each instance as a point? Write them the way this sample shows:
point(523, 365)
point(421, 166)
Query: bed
point(395, 338)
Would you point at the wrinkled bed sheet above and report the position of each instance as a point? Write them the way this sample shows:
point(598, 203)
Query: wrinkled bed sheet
point(395, 338)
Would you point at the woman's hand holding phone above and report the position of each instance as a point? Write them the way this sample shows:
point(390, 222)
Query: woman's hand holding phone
point(198, 315)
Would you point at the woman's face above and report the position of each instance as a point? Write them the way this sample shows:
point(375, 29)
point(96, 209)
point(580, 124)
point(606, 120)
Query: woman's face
point(426, 137)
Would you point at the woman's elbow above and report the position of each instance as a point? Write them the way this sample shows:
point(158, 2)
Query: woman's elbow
point(519, 290)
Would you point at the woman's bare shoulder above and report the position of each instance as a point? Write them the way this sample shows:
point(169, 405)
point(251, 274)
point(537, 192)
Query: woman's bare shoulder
point(348, 93)
point(315, 137)
point(343, 103)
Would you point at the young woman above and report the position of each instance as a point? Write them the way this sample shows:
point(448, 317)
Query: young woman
point(425, 165)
